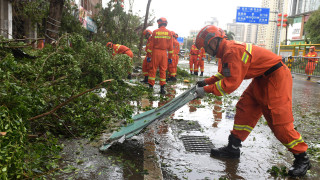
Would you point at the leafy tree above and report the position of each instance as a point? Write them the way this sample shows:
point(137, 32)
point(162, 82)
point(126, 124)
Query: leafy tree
point(312, 27)
point(230, 35)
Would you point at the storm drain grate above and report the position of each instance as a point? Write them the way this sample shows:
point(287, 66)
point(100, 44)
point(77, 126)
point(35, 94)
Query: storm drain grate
point(200, 144)
point(189, 125)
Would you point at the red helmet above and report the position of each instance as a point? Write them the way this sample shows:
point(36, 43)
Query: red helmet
point(313, 47)
point(208, 33)
point(147, 31)
point(109, 44)
point(162, 21)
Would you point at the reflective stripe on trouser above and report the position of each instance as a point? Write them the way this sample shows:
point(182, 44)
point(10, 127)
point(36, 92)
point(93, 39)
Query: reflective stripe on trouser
point(275, 103)
point(310, 68)
point(159, 59)
point(193, 62)
point(201, 65)
point(171, 67)
point(145, 67)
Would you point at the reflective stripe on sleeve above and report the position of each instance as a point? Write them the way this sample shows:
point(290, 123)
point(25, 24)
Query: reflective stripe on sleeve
point(294, 143)
point(245, 55)
point(219, 76)
point(170, 52)
point(152, 78)
point(242, 128)
point(222, 92)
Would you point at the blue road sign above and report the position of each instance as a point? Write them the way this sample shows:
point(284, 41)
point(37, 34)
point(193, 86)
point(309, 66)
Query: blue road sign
point(253, 15)
point(180, 39)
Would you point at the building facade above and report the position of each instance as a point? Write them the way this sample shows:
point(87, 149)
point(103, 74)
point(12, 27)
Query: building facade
point(6, 19)
point(300, 11)
point(268, 35)
point(238, 29)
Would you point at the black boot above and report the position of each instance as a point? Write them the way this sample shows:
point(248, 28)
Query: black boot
point(129, 76)
point(232, 150)
point(191, 72)
point(196, 73)
point(308, 78)
point(173, 79)
point(162, 91)
point(201, 74)
point(169, 79)
point(150, 86)
point(145, 80)
point(300, 166)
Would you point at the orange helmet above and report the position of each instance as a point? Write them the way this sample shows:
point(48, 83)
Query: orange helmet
point(162, 21)
point(109, 44)
point(313, 47)
point(208, 33)
point(147, 31)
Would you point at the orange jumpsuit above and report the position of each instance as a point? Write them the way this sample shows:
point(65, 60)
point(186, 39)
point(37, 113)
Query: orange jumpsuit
point(121, 49)
point(161, 50)
point(193, 62)
point(268, 94)
point(202, 55)
point(172, 68)
point(312, 62)
point(145, 64)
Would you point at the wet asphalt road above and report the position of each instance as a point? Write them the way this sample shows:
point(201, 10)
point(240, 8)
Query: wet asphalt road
point(163, 153)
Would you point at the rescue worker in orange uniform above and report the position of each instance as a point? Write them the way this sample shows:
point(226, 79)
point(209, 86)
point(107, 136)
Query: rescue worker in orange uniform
point(172, 68)
point(193, 62)
point(146, 62)
point(269, 94)
point(161, 53)
point(202, 55)
point(121, 49)
point(312, 62)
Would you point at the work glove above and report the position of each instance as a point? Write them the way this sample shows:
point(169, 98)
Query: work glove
point(200, 92)
point(148, 59)
point(201, 83)
point(169, 61)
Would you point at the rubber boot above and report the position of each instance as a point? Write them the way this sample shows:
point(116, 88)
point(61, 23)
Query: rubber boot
point(150, 86)
point(145, 80)
point(300, 166)
point(201, 74)
point(162, 91)
point(191, 72)
point(173, 79)
point(168, 79)
point(232, 150)
point(196, 73)
point(308, 78)
point(129, 76)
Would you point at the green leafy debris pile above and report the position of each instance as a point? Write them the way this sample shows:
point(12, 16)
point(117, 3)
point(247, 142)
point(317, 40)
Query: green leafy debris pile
point(58, 94)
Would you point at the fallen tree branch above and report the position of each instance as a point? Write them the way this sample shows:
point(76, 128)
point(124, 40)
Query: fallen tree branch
point(67, 101)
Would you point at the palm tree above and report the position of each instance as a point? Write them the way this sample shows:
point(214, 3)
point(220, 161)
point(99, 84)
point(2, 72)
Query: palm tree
point(230, 35)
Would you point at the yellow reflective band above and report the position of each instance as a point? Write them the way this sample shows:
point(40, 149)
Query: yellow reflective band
point(191, 69)
point(245, 55)
point(162, 33)
point(145, 72)
point(294, 143)
point(222, 92)
point(219, 76)
point(152, 78)
point(242, 128)
point(163, 79)
point(170, 52)
point(162, 37)
point(173, 73)
point(150, 51)
point(202, 70)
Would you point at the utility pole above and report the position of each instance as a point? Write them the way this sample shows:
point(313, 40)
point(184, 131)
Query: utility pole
point(280, 28)
point(276, 30)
